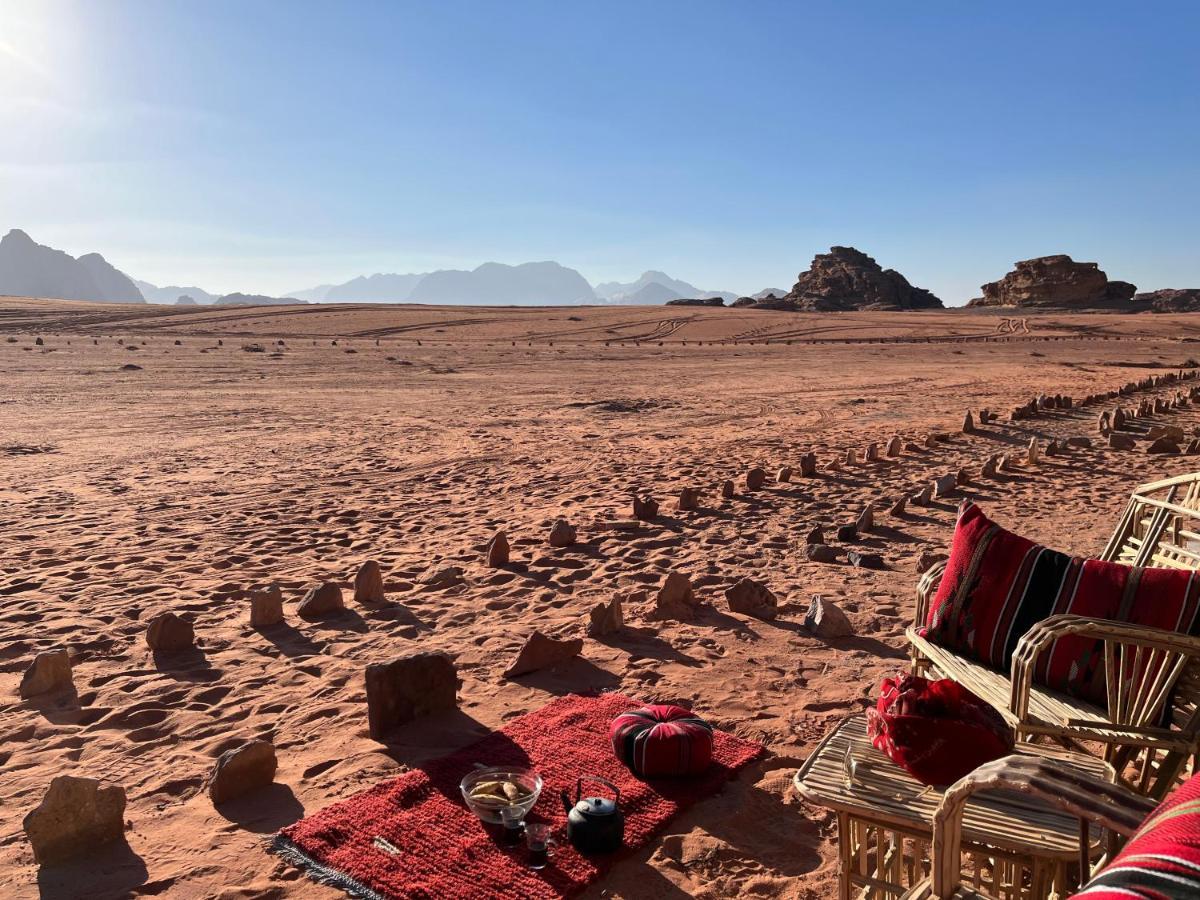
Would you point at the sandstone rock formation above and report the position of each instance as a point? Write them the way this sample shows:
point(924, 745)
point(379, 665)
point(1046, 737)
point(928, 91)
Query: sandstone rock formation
point(1169, 300)
point(826, 620)
point(752, 599)
point(408, 688)
point(168, 633)
point(241, 770)
point(543, 652)
point(562, 534)
point(77, 816)
point(322, 599)
point(368, 584)
point(498, 550)
point(676, 599)
point(606, 618)
point(50, 672)
point(1056, 282)
point(266, 605)
point(846, 279)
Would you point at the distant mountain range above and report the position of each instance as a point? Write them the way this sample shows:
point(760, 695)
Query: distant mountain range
point(30, 269)
point(653, 287)
point(172, 293)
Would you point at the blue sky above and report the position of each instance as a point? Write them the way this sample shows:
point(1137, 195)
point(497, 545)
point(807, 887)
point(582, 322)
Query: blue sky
point(268, 146)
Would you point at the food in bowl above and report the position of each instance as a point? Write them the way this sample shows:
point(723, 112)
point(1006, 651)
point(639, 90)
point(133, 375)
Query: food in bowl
point(501, 794)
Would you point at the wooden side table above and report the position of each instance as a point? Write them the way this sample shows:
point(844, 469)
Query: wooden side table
point(1018, 848)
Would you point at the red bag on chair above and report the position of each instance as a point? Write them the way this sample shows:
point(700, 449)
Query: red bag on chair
point(937, 731)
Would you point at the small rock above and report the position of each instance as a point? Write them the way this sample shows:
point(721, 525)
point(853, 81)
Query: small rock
point(689, 499)
point(50, 672)
point(925, 497)
point(866, 519)
point(808, 465)
point(963, 476)
point(927, 559)
point(750, 598)
point(543, 652)
point(498, 550)
point(1163, 445)
point(968, 425)
point(826, 620)
point(606, 618)
point(321, 600)
point(1172, 432)
point(821, 553)
point(266, 605)
point(847, 533)
point(676, 599)
point(1118, 441)
point(755, 479)
point(76, 817)
point(407, 688)
point(900, 507)
point(727, 489)
point(864, 560)
point(912, 447)
point(1031, 455)
point(168, 633)
point(562, 534)
point(893, 446)
point(1079, 443)
point(871, 454)
point(944, 485)
point(1052, 448)
point(784, 474)
point(931, 440)
point(851, 457)
point(439, 579)
point(815, 536)
point(368, 584)
point(241, 770)
point(645, 508)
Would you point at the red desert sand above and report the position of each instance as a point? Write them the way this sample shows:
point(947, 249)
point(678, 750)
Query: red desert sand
point(186, 459)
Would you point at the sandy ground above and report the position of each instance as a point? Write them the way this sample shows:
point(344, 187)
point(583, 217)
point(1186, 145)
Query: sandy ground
point(213, 467)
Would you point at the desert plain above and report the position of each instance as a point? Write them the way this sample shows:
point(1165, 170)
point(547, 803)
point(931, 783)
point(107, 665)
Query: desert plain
point(161, 458)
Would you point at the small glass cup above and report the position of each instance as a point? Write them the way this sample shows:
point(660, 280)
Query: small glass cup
point(539, 843)
point(510, 820)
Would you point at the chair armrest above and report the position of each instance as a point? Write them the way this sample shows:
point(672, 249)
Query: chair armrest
point(1104, 803)
point(926, 588)
point(1141, 666)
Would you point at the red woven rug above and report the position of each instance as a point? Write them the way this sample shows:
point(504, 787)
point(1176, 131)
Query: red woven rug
point(413, 836)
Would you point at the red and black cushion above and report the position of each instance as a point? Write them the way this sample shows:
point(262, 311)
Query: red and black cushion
point(997, 585)
point(1162, 860)
point(662, 740)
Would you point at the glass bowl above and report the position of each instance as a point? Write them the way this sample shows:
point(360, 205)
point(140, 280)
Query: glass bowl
point(493, 804)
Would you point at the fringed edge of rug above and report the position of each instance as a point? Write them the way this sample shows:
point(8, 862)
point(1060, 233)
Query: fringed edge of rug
point(318, 872)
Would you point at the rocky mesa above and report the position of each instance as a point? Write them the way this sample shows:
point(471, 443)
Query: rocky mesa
point(1056, 282)
point(846, 279)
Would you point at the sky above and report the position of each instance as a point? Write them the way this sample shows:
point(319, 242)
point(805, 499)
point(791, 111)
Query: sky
point(271, 146)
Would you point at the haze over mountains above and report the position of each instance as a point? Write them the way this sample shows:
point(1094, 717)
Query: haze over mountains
point(31, 269)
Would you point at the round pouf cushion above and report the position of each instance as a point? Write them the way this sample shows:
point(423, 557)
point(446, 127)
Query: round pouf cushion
point(662, 740)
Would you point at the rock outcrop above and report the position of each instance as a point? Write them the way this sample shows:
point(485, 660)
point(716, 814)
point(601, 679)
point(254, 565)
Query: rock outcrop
point(1169, 300)
point(846, 279)
point(30, 269)
point(696, 301)
point(1056, 282)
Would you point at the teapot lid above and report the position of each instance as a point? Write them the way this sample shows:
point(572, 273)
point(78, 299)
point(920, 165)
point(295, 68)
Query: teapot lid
point(596, 807)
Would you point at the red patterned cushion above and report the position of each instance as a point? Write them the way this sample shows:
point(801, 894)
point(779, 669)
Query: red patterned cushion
point(662, 740)
point(998, 585)
point(1162, 860)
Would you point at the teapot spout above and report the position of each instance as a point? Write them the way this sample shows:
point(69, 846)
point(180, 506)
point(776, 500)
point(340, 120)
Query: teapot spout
point(566, 801)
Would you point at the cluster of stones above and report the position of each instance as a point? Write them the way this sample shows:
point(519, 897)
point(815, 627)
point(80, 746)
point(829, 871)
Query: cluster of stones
point(79, 814)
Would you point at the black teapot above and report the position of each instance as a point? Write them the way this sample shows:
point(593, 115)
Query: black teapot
point(594, 824)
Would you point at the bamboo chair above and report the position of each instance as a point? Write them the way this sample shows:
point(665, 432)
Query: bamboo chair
point(1113, 807)
point(1145, 667)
